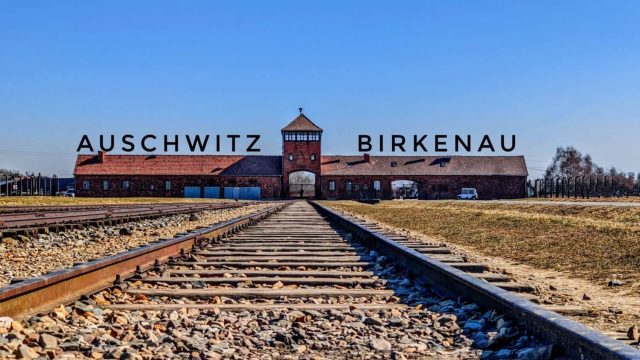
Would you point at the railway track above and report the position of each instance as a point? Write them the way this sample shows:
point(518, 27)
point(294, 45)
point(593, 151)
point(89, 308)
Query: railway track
point(441, 252)
point(299, 281)
point(63, 208)
point(37, 220)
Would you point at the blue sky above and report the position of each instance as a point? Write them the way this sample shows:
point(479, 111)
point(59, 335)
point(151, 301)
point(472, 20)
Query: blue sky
point(554, 73)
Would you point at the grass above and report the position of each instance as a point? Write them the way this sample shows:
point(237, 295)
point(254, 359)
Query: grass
point(596, 243)
point(59, 200)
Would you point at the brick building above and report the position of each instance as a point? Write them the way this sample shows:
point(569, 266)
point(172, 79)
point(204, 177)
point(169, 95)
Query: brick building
point(301, 170)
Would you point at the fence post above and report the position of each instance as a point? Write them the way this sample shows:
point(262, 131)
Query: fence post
point(546, 188)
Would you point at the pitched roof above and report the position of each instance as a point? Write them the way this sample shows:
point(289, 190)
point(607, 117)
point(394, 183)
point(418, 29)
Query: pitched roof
point(424, 165)
point(301, 123)
point(232, 165)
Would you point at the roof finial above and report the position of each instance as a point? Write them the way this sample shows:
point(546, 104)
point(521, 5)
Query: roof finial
point(300, 109)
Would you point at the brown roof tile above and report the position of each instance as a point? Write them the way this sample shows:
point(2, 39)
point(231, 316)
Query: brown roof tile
point(424, 165)
point(301, 123)
point(232, 165)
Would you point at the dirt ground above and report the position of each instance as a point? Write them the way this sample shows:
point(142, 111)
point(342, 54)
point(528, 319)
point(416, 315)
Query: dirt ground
point(569, 253)
point(59, 200)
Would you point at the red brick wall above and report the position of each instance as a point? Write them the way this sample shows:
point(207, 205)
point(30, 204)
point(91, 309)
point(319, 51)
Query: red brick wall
point(301, 151)
point(155, 185)
point(430, 187)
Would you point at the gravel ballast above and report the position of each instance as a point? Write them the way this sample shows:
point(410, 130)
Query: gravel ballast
point(427, 326)
point(31, 257)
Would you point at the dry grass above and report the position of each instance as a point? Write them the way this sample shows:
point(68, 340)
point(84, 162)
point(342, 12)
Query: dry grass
point(595, 243)
point(58, 200)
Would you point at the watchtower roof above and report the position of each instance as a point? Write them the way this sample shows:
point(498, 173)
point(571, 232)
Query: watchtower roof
point(302, 123)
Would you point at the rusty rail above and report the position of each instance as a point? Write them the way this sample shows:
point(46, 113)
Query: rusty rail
point(38, 294)
point(78, 207)
point(42, 218)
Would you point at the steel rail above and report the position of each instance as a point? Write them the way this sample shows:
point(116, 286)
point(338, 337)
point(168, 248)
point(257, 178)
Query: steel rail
point(11, 210)
point(39, 294)
point(577, 340)
point(16, 221)
point(74, 207)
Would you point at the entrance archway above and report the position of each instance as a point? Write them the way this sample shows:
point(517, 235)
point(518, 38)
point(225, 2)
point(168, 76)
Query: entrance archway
point(405, 189)
point(302, 184)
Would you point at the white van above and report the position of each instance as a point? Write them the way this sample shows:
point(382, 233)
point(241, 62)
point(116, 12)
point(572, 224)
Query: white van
point(468, 194)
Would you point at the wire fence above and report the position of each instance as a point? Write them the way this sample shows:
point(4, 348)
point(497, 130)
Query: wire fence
point(33, 185)
point(584, 187)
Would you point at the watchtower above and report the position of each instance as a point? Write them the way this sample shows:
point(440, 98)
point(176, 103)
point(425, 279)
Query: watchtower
point(301, 154)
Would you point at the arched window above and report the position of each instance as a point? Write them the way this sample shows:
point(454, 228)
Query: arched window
point(290, 157)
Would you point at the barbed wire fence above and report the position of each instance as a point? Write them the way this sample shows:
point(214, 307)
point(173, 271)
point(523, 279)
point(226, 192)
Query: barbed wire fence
point(29, 185)
point(585, 187)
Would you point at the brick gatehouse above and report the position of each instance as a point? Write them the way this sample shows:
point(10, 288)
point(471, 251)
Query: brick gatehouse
point(300, 171)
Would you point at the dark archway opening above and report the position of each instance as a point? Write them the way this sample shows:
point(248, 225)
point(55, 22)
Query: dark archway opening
point(405, 189)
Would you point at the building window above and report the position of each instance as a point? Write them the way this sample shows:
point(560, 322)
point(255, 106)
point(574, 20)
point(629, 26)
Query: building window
point(348, 185)
point(125, 185)
point(376, 185)
point(357, 187)
point(105, 185)
point(332, 185)
point(301, 136)
point(152, 187)
point(290, 157)
point(394, 164)
point(365, 187)
point(313, 157)
point(167, 185)
point(85, 185)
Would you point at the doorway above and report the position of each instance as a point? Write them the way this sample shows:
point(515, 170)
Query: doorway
point(302, 184)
